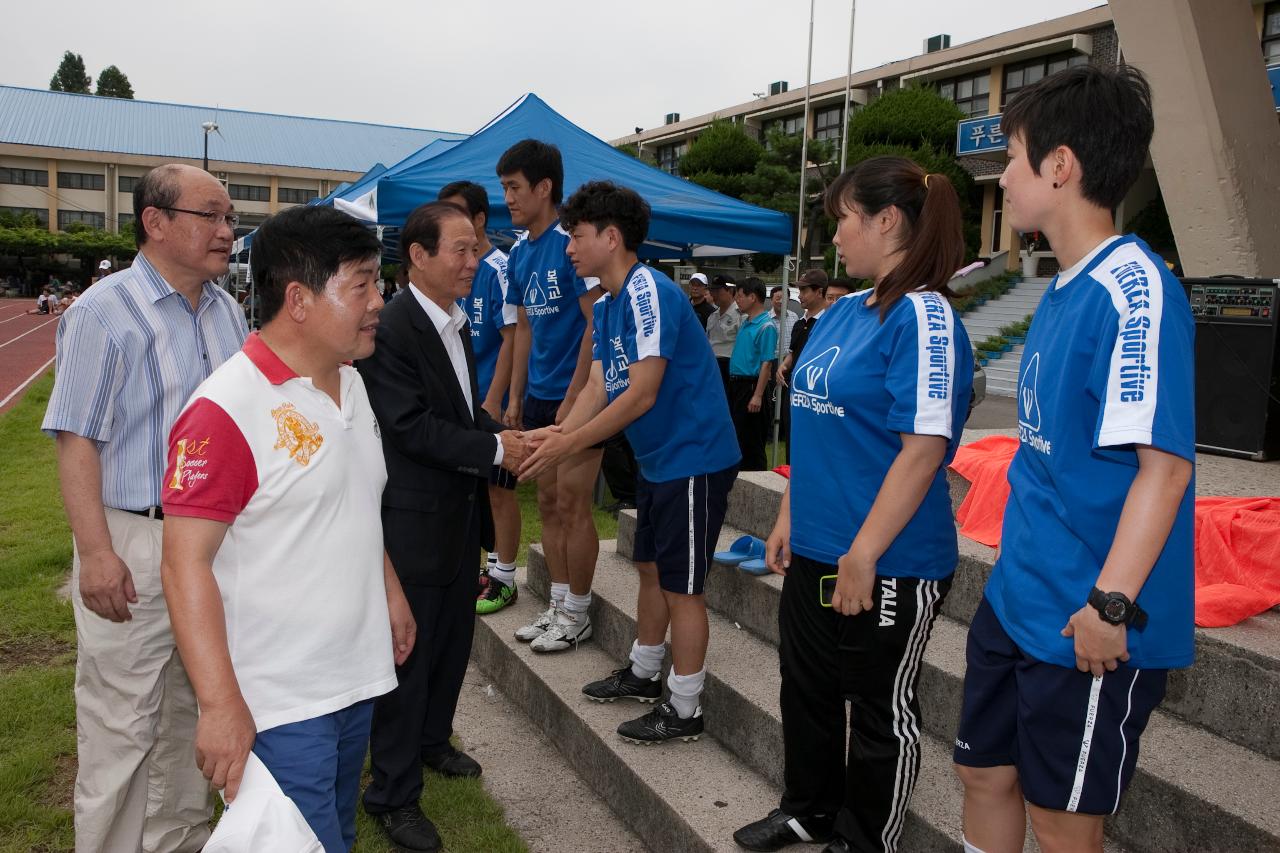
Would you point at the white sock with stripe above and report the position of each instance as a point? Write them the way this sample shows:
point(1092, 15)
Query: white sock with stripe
point(558, 592)
point(646, 661)
point(971, 848)
point(505, 572)
point(685, 691)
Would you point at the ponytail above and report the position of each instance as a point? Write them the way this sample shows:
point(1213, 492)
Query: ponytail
point(933, 239)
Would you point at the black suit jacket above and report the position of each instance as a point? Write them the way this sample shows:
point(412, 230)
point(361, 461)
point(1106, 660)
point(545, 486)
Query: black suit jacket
point(438, 452)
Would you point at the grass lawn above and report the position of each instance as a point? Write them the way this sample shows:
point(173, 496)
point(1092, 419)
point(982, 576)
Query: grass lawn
point(37, 663)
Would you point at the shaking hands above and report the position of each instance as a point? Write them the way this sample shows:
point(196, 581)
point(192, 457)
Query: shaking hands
point(529, 455)
point(515, 449)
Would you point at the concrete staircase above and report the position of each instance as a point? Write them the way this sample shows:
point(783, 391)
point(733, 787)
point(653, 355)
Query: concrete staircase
point(1208, 779)
point(982, 323)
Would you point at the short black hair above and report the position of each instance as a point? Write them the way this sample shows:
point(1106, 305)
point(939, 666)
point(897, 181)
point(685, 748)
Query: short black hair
point(604, 203)
point(537, 161)
point(423, 227)
point(306, 244)
point(1102, 115)
point(753, 287)
point(476, 197)
point(158, 188)
point(726, 280)
point(845, 284)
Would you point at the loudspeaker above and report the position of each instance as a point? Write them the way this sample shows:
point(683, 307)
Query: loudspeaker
point(1237, 366)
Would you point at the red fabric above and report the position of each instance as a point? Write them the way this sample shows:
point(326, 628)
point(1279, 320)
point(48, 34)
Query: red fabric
point(1237, 540)
point(211, 471)
point(1237, 559)
point(985, 464)
point(784, 470)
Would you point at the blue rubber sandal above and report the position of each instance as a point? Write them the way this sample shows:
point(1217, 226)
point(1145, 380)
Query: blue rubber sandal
point(754, 566)
point(744, 548)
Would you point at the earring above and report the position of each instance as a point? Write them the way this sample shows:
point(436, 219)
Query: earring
point(1055, 185)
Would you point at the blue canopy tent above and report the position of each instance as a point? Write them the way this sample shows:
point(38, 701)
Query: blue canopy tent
point(688, 220)
point(353, 189)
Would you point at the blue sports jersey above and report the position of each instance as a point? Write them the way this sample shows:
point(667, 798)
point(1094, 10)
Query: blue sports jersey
point(688, 430)
point(545, 284)
point(489, 313)
point(859, 385)
point(1108, 365)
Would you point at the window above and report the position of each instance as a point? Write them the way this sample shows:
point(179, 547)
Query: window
point(81, 181)
point(124, 219)
point(1023, 74)
point(970, 94)
point(127, 184)
point(41, 214)
point(790, 125)
point(826, 124)
point(88, 217)
point(1271, 33)
point(291, 195)
point(25, 177)
point(669, 157)
point(248, 192)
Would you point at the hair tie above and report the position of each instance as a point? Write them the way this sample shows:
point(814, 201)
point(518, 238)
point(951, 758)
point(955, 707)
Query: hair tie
point(926, 181)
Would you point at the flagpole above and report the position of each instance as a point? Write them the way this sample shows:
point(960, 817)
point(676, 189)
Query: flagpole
point(844, 129)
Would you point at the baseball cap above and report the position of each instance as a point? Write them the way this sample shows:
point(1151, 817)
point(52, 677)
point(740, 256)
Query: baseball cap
point(722, 281)
point(104, 265)
point(698, 277)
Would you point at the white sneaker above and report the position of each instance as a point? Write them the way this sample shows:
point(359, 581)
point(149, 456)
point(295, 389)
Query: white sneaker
point(538, 626)
point(567, 631)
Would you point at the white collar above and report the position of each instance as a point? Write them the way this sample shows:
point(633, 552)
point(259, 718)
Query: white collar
point(454, 318)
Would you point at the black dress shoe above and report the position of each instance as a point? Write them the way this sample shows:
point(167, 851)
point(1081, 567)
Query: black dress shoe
point(838, 845)
point(454, 764)
point(409, 829)
point(777, 830)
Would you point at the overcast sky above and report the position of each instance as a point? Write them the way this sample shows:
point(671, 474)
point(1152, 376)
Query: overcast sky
point(608, 66)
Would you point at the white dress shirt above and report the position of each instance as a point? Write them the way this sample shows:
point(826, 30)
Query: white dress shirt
point(449, 326)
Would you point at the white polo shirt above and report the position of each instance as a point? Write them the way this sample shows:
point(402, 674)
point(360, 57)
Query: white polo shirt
point(299, 480)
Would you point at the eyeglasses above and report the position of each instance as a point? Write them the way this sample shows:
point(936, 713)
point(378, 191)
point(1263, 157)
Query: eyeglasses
point(211, 216)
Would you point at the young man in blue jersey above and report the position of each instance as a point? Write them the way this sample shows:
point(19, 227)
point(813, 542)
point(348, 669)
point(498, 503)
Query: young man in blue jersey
point(493, 326)
point(653, 374)
point(755, 352)
point(552, 359)
point(1091, 599)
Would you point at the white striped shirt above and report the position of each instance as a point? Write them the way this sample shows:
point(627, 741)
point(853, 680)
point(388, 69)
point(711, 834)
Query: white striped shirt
point(130, 352)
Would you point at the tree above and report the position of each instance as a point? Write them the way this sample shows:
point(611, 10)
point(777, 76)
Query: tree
point(775, 184)
point(631, 149)
point(113, 84)
point(71, 76)
point(721, 158)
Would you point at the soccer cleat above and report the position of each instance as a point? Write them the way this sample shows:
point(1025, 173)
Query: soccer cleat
point(662, 724)
point(565, 632)
point(537, 627)
point(496, 596)
point(624, 684)
point(777, 830)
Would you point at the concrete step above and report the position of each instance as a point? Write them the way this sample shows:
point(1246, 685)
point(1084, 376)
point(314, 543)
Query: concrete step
point(1003, 370)
point(1237, 669)
point(685, 797)
point(1191, 784)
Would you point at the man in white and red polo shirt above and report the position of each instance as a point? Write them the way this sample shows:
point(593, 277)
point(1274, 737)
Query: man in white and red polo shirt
point(283, 603)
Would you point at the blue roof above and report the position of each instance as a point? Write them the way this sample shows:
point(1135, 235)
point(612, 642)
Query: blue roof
point(149, 128)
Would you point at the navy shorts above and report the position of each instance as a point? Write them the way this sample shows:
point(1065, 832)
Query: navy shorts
point(679, 523)
point(1073, 738)
point(542, 413)
point(502, 478)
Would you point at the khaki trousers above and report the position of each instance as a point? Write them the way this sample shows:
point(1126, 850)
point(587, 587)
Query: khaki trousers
point(138, 787)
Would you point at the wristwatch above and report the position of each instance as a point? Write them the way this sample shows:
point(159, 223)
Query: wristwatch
point(1115, 608)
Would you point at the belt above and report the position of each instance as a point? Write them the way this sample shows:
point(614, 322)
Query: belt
point(155, 512)
point(743, 378)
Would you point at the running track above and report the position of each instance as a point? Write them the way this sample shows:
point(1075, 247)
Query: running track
point(26, 348)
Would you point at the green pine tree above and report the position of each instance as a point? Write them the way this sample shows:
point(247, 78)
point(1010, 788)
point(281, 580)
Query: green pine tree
point(113, 84)
point(71, 76)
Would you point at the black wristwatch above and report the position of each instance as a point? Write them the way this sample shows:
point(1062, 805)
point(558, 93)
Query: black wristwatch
point(1115, 608)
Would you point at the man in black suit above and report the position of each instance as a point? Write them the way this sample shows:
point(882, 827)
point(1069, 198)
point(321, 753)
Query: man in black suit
point(439, 446)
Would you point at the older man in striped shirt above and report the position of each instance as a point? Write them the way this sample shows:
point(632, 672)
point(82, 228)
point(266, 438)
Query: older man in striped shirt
point(130, 353)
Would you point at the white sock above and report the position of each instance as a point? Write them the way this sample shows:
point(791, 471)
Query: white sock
point(969, 848)
point(493, 558)
point(646, 661)
point(685, 690)
point(558, 592)
point(577, 603)
point(506, 574)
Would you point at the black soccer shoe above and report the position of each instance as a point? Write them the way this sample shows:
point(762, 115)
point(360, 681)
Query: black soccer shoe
point(662, 724)
point(779, 829)
point(624, 684)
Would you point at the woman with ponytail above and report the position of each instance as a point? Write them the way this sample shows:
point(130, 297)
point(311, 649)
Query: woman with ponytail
point(865, 535)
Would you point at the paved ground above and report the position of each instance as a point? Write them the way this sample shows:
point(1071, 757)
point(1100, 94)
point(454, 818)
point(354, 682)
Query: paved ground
point(994, 413)
point(26, 348)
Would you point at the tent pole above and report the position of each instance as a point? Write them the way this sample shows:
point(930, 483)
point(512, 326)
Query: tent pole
point(844, 130)
point(786, 265)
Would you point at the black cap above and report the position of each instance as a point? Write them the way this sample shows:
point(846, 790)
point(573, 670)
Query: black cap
point(722, 281)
